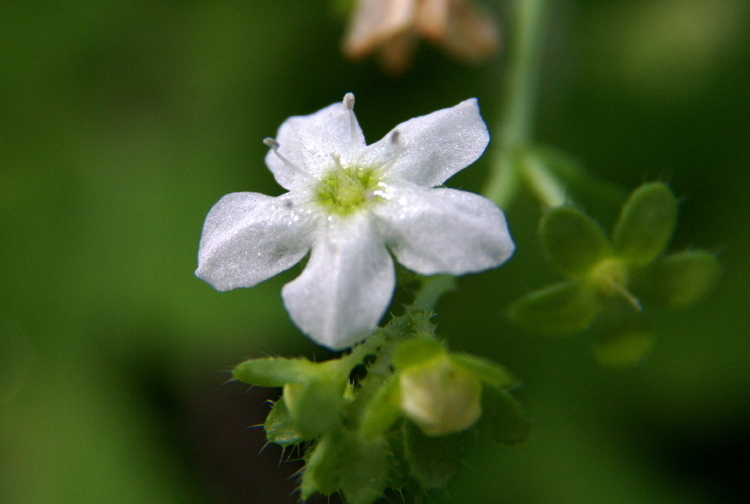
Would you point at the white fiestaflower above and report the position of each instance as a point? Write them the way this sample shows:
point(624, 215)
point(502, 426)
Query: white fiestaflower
point(350, 206)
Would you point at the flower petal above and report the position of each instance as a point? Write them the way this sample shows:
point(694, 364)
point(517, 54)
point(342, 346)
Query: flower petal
point(308, 144)
point(374, 22)
point(250, 237)
point(346, 286)
point(444, 230)
point(428, 150)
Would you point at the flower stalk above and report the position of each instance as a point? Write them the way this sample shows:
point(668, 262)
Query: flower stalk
point(515, 124)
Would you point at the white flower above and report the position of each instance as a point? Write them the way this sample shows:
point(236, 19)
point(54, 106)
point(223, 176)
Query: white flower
point(348, 205)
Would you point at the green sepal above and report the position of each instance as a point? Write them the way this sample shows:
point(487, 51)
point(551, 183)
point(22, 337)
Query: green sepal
point(417, 351)
point(646, 224)
point(623, 350)
point(433, 461)
point(577, 180)
point(678, 280)
point(559, 309)
point(365, 473)
point(323, 465)
point(273, 371)
point(280, 428)
point(573, 241)
point(488, 372)
point(316, 406)
point(504, 417)
point(383, 409)
point(342, 461)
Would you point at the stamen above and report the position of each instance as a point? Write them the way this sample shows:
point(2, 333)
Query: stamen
point(399, 147)
point(274, 145)
point(349, 101)
point(395, 137)
point(340, 167)
point(349, 104)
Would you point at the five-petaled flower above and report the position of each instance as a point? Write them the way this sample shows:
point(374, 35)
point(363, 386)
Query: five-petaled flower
point(347, 205)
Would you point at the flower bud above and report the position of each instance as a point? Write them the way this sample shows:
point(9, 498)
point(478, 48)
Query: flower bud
point(440, 396)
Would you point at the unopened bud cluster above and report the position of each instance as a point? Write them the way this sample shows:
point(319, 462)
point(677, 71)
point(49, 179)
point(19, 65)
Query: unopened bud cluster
point(398, 401)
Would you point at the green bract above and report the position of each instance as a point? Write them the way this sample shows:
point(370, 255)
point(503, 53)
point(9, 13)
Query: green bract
point(603, 273)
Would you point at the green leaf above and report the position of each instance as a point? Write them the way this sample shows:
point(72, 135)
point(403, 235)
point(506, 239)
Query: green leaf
point(273, 371)
point(490, 373)
point(279, 426)
point(646, 224)
point(504, 417)
point(624, 350)
point(573, 241)
point(433, 461)
point(559, 309)
point(678, 280)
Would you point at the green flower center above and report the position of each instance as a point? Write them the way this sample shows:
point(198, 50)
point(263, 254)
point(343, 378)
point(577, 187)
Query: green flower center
point(610, 275)
point(346, 190)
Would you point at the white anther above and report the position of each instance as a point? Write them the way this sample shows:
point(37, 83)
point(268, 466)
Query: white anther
point(274, 145)
point(349, 101)
point(271, 142)
point(395, 137)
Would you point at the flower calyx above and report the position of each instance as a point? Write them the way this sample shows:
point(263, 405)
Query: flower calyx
point(629, 266)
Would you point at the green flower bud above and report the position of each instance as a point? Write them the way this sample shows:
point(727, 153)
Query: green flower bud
point(440, 396)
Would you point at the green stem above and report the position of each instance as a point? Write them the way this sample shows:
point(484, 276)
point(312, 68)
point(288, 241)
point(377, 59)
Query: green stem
point(515, 126)
point(519, 104)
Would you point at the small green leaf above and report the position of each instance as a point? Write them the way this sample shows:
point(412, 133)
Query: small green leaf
point(433, 461)
point(646, 224)
point(504, 417)
point(573, 241)
point(273, 371)
point(280, 428)
point(678, 280)
point(490, 373)
point(559, 309)
point(624, 350)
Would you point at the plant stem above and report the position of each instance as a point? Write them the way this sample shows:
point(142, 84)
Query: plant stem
point(514, 130)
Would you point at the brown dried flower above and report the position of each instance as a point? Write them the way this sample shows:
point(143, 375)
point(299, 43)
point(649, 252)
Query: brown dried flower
point(392, 29)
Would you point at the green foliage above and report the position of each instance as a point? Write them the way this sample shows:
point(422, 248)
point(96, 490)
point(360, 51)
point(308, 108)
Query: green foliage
point(646, 224)
point(603, 274)
point(559, 309)
point(504, 417)
point(274, 371)
point(573, 241)
point(280, 428)
point(433, 461)
point(624, 349)
point(678, 280)
point(401, 425)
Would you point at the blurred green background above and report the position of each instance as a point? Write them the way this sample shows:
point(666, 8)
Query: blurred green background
point(122, 122)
